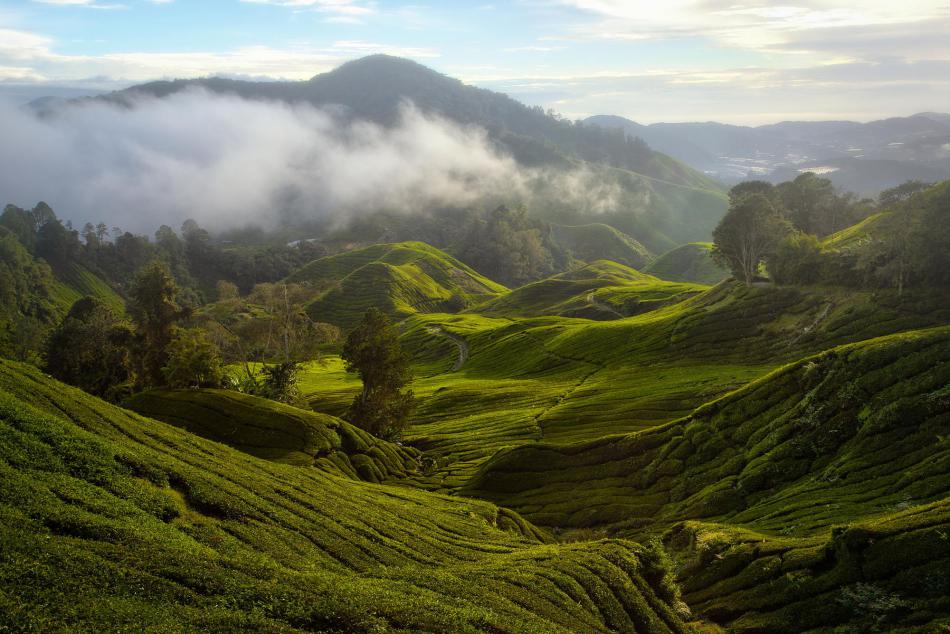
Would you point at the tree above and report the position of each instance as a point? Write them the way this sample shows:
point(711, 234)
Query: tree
point(887, 257)
point(797, 259)
point(154, 311)
point(193, 360)
point(901, 194)
point(747, 234)
point(373, 351)
point(808, 201)
point(931, 237)
point(89, 348)
point(269, 327)
point(506, 247)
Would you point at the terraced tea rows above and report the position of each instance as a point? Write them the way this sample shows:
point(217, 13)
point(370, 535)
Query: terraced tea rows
point(567, 380)
point(832, 438)
point(145, 526)
point(278, 432)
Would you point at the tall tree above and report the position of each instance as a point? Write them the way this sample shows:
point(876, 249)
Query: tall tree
point(808, 200)
point(154, 311)
point(89, 348)
point(373, 351)
point(747, 234)
point(193, 360)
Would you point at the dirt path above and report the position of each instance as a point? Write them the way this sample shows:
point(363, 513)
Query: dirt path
point(601, 306)
point(459, 342)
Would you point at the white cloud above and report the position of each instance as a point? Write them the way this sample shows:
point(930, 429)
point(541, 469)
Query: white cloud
point(799, 26)
point(87, 4)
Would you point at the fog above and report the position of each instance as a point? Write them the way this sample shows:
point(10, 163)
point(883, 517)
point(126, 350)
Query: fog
point(226, 161)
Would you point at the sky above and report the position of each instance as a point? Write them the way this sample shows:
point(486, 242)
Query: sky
point(659, 60)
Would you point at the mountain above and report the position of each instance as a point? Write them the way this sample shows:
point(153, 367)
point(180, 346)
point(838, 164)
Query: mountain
point(918, 147)
point(656, 195)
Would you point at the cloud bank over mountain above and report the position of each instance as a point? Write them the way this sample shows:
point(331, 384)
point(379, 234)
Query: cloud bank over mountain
point(219, 158)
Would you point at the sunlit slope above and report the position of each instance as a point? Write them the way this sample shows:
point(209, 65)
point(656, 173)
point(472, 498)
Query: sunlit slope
point(688, 263)
point(400, 279)
point(600, 290)
point(279, 432)
point(113, 522)
point(563, 380)
point(74, 281)
point(828, 439)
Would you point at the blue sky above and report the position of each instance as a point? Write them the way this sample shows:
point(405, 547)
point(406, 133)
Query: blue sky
point(674, 60)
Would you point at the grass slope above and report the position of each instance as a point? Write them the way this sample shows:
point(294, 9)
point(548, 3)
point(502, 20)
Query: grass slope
point(600, 290)
point(74, 281)
point(827, 439)
point(110, 521)
point(563, 381)
point(688, 263)
point(400, 279)
point(278, 432)
point(598, 241)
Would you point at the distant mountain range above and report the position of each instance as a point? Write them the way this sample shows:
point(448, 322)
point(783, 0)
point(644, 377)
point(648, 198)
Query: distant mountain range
point(861, 157)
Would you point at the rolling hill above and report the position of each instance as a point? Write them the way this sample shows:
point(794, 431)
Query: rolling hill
point(400, 279)
point(598, 241)
point(145, 526)
point(278, 432)
point(600, 290)
point(687, 263)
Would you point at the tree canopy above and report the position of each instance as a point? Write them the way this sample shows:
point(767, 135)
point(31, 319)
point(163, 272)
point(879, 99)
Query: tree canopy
point(373, 351)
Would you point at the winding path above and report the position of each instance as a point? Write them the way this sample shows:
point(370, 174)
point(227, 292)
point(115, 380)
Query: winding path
point(459, 342)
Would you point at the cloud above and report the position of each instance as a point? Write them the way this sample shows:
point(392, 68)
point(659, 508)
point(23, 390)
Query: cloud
point(349, 11)
point(86, 4)
point(30, 56)
point(747, 95)
point(227, 161)
point(800, 27)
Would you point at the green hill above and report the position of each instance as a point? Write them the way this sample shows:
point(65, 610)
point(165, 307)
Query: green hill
point(278, 432)
point(601, 290)
point(74, 281)
point(110, 521)
point(687, 263)
point(401, 279)
point(600, 242)
point(557, 380)
point(818, 491)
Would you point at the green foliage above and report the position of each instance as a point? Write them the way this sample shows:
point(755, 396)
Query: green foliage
point(507, 246)
point(797, 259)
point(153, 309)
point(372, 350)
point(747, 235)
point(193, 360)
point(279, 382)
point(89, 348)
point(26, 299)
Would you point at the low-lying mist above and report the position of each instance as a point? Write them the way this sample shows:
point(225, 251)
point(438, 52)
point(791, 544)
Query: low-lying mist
point(226, 161)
